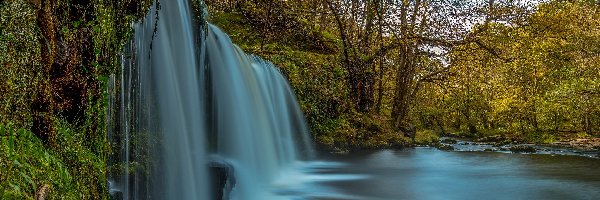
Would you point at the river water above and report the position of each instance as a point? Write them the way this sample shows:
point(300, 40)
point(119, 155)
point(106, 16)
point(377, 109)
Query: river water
point(431, 174)
point(187, 99)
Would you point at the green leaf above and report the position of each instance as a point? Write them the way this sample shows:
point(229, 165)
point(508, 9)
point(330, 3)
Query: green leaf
point(15, 187)
point(96, 28)
point(28, 180)
point(17, 163)
point(76, 23)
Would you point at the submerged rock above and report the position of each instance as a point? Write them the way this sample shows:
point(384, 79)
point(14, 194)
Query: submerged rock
point(522, 149)
point(492, 139)
point(449, 141)
point(445, 147)
point(117, 195)
point(222, 178)
point(583, 144)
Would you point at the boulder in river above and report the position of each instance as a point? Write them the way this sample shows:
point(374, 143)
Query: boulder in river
point(449, 141)
point(522, 149)
point(222, 177)
point(445, 147)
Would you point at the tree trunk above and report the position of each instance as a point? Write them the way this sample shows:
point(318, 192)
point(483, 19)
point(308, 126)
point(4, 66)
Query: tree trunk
point(470, 125)
point(361, 88)
point(440, 124)
point(402, 96)
point(380, 87)
point(403, 74)
point(366, 100)
point(381, 62)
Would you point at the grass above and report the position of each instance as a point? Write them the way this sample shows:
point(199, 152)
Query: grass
point(73, 172)
point(39, 143)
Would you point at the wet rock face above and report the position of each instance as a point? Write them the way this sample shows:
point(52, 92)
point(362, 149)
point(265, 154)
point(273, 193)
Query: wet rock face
point(222, 179)
point(587, 144)
point(445, 147)
point(116, 195)
point(67, 52)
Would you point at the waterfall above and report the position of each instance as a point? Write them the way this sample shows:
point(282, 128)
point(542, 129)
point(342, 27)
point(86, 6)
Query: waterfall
point(255, 117)
point(185, 96)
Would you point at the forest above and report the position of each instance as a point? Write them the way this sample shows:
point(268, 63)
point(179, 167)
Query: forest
point(367, 75)
point(367, 71)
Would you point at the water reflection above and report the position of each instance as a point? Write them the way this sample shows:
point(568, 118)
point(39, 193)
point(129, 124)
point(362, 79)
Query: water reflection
point(425, 173)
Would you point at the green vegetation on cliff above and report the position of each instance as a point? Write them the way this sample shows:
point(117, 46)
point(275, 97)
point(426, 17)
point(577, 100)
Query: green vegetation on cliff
point(308, 55)
point(71, 172)
point(55, 57)
point(367, 73)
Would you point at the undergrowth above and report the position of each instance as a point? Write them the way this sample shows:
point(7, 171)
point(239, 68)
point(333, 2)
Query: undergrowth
point(55, 57)
point(73, 172)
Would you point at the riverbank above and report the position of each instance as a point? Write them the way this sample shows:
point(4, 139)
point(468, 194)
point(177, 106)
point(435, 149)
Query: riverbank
point(459, 141)
point(576, 141)
point(579, 147)
point(427, 173)
point(584, 144)
point(308, 52)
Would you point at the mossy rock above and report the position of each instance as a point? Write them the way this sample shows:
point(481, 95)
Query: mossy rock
point(449, 141)
point(445, 147)
point(522, 149)
point(493, 138)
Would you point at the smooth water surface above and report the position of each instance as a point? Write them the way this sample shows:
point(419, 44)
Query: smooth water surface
point(191, 103)
point(427, 173)
point(188, 95)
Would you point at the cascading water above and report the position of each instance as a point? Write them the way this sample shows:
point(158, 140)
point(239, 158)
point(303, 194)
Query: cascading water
point(255, 117)
point(162, 125)
point(187, 96)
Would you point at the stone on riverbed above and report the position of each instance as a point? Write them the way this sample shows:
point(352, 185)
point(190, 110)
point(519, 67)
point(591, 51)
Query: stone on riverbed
point(583, 144)
point(445, 147)
point(448, 141)
point(522, 149)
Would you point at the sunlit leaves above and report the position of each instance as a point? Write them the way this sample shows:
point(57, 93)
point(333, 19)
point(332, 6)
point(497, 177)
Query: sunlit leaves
point(545, 77)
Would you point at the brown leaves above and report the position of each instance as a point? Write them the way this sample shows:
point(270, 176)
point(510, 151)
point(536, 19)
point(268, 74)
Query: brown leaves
point(42, 192)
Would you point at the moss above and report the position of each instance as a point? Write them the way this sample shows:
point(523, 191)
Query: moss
point(313, 69)
point(74, 172)
point(54, 60)
point(445, 147)
point(522, 149)
point(20, 62)
point(449, 141)
point(539, 137)
point(426, 137)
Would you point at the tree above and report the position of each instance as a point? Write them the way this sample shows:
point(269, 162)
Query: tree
point(413, 31)
point(537, 75)
point(426, 29)
point(360, 25)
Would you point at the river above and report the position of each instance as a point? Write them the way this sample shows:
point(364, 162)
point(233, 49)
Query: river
point(431, 174)
point(187, 100)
